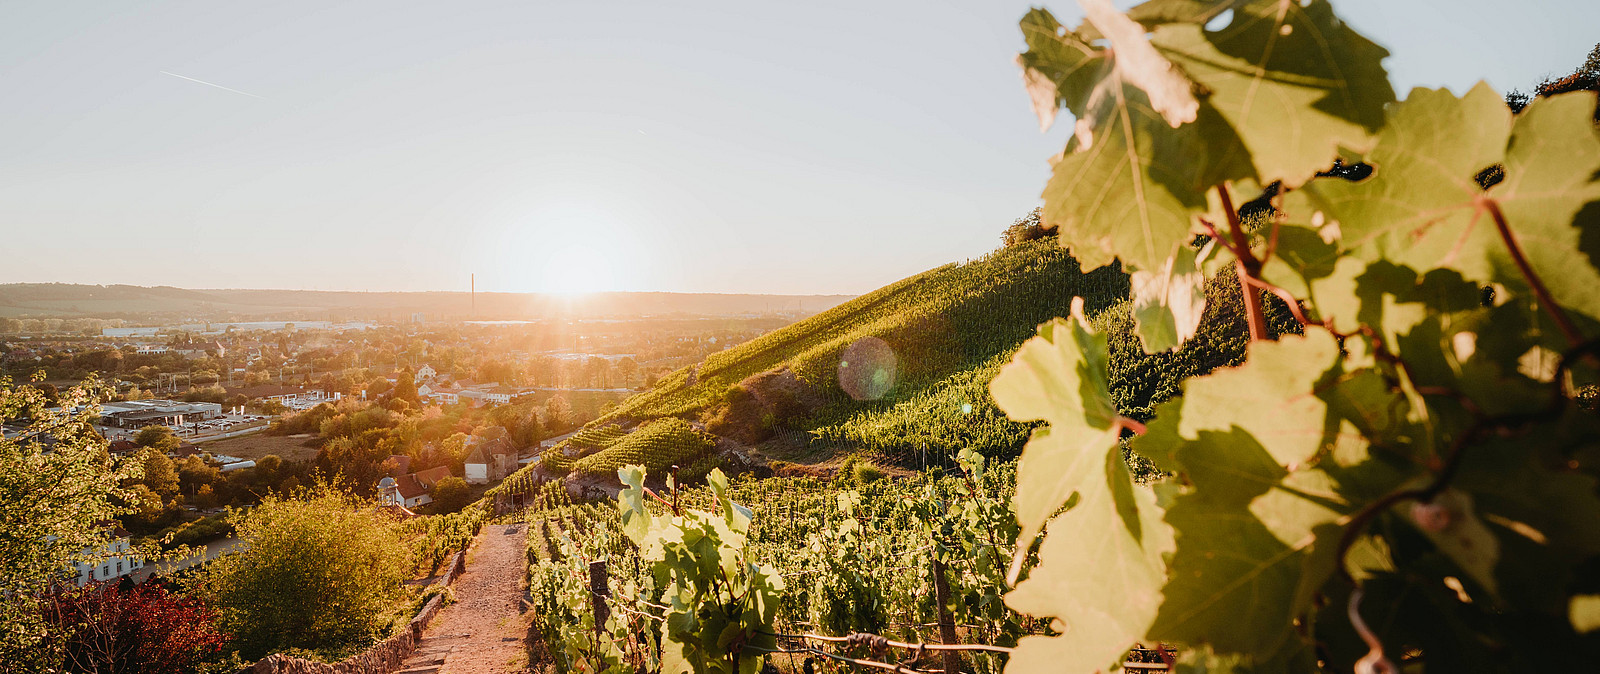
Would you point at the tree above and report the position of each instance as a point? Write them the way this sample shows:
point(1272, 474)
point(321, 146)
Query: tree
point(317, 572)
point(159, 473)
point(450, 495)
point(58, 486)
point(557, 414)
point(144, 629)
point(159, 438)
point(405, 388)
point(627, 368)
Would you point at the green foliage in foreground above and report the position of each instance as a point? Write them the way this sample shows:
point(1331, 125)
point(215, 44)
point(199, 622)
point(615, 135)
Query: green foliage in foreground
point(321, 572)
point(57, 486)
point(1410, 480)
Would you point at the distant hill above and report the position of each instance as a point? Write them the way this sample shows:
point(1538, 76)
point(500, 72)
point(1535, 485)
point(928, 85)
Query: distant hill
point(894, 372)
point(62, 300)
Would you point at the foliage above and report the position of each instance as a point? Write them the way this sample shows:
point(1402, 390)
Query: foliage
point(432, 538)
point(132, 629)
point(719, 602)
point(656, 446)
point(854, 558)
point(451, 494)
point(1409, 479)
point(58, 488)
point(317, 572)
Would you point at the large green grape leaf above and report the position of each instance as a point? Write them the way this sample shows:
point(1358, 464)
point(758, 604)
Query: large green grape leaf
point(1100, 571)
point(1144, 150)
point(1061, 377)
point(1422, 208)
point(1271, 398)
point(1276, 456)
point(1295, 82)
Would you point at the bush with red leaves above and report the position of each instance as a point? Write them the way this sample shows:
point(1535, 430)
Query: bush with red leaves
point(108, 628)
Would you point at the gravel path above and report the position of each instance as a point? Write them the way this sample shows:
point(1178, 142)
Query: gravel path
point(482, 633)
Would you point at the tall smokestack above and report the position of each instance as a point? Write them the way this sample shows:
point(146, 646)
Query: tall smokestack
point(474, 295)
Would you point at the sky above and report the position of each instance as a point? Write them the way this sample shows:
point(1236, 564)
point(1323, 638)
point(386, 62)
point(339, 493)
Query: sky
point(815, 147)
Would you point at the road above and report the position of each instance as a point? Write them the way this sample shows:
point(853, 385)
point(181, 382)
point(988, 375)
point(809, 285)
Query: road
point(214, 549)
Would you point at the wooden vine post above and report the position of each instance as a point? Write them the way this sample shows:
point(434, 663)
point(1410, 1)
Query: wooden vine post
point(599, 591)
point(947, 624)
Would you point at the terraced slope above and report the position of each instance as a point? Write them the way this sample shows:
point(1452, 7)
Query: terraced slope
point(943, 332)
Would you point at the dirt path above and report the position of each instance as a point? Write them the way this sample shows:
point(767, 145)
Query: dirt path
point(482, 632)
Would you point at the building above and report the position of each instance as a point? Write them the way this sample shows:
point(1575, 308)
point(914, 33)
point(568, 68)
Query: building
point(115, 559)
point(427, 373)
point(412, 490)
point(141, 413)
point(201, 349)
point(490, 461)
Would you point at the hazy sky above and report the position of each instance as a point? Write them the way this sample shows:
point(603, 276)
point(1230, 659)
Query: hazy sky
point(741, 146)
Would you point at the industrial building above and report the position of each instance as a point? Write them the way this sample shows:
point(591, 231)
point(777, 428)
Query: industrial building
point(141, 413)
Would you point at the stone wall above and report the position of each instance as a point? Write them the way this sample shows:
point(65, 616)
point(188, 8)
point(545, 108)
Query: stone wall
point(384, 657)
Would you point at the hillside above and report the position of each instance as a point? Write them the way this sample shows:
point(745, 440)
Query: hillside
point(900, 375)
point(893, 372)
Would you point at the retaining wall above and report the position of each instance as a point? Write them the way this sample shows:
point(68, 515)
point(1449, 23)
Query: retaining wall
point(384, 657)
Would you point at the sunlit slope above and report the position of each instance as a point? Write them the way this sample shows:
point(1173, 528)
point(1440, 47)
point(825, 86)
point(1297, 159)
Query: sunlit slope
point(946, 329)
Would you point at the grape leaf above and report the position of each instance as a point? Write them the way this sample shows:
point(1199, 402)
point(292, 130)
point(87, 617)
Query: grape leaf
point(1276, 456)
point(1294, 81)
point(1422, 208)
point(1060, 376)
point(1168, 304)
point(1271, 398)
point(1129, 182)
point(1100, 572)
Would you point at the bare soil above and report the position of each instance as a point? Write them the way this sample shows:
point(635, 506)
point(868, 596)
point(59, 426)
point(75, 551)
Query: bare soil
point(257, 445)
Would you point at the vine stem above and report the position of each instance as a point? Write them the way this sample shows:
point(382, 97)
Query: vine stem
point(1247, 266)
point(1546, 301)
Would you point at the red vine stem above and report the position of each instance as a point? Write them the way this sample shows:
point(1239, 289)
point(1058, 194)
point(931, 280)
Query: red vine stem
point(1247, 266)
point(1548, 303)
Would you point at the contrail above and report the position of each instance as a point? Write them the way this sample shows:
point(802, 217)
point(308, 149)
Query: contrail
point(191, 79)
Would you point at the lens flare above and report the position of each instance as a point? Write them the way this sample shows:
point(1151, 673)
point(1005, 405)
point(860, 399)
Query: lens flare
point(867, 369)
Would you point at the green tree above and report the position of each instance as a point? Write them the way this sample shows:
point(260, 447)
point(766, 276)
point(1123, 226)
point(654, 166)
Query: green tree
point(450, 495)
point(159, 474)
point(159, 438)
point(317, 572)
point(405, 387)
point(58, 486)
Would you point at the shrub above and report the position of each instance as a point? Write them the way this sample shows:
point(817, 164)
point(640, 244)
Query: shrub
point(146, 629)
point(317, 573)
point(864, 472)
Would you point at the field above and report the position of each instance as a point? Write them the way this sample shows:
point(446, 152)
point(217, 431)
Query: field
point(257, 445)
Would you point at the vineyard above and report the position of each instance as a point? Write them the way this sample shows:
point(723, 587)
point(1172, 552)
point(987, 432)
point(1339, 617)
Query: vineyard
point(849, 560)
point(939, 323)
point(1336, 416)
point(656, 445)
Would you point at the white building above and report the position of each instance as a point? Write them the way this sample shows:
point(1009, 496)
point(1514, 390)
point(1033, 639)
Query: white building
point(411, 490)
point(490, 460)
point(115, 559)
